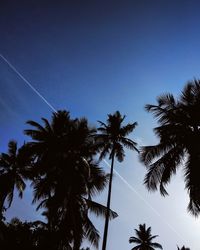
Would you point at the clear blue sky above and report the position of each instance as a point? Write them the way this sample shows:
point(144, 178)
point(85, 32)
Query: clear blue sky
point(92, 58)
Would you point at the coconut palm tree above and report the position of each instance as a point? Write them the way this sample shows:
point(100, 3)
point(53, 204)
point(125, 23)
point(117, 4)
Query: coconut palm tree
point(144, 239)
point(111, 139)
point(72, 211)
point(183, 248)
point(67, 177)
point(179, 143)
point(13, 172)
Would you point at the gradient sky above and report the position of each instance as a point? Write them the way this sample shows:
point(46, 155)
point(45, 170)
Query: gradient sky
point(93, 58)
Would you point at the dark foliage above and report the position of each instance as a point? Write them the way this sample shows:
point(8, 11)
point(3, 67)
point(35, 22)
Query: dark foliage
point(67, 177)
point(183, 248)
point(179, 143)
point(143, 239)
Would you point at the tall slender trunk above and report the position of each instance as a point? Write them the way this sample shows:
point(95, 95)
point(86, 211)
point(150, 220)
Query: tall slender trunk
point(108, 204)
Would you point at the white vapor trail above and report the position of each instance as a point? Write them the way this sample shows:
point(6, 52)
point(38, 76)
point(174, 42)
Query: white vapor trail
point(122, 179)
point(27, 82)
point(146, 202)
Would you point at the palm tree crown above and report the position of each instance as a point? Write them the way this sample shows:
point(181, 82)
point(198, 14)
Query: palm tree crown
point(179, 143)
point(183, 248)
point(112, 137)
point(144, 239)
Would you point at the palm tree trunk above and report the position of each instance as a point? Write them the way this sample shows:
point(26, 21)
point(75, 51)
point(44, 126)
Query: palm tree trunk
point(108, 204)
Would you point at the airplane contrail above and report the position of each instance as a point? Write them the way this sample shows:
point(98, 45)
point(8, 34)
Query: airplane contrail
point(122, 178)
point(145, 201)
point(27, 82)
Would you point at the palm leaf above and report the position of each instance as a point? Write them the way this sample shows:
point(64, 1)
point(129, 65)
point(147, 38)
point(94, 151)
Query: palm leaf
point(100, 210)
point(91, 233)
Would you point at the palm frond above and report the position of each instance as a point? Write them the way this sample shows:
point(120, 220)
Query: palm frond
point(104, 126)
point(36, 125)
point(130, 144)
point(20, 185)
point(127, 129)
point(98, 180)
point(136, 248)
point(134, 240)
point(12, 148)
point(106, 150)
point(192, 184)
point(160, 172)
point(91, 233)
point(100, 210)
point(34, 134)
point(47, 125)
point(119, 152)
point(9, 197)
point(149, 153)
point(166, 100)
point(156, 245)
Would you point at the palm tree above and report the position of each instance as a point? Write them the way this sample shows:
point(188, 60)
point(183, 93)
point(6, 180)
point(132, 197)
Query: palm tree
point(67, 177)
point(183, 248)
point(144, 239)
point(179, 143)
point(13, 172)
point(111, 140)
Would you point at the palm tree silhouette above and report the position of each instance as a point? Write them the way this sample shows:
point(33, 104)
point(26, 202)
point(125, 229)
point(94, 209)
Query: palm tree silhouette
point(12, 173)
point(183, 248)
point(144, 239)
point(67, 177)
point(111, 140)
point(179, 143)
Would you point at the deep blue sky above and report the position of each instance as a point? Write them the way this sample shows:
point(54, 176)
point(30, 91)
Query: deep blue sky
point(92, 58)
